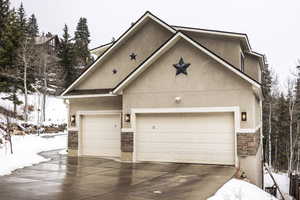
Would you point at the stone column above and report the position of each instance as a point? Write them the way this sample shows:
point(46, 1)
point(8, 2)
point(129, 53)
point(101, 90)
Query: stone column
point(127, 146)
point(73, 143)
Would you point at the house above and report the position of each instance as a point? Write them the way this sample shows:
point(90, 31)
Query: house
point(171, 94)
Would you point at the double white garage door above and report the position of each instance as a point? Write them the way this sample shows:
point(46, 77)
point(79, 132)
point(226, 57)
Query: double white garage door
point(177, 137)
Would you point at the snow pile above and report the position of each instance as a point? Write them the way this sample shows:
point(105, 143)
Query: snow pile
point(281, 179)
point(240, 190)
point(25, 150)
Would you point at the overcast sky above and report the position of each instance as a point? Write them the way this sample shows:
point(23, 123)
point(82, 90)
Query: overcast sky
point(273, 26)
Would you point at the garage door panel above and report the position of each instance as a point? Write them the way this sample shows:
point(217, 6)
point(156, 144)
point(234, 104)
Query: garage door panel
point(200, 138)
point(184, 137)
point(100, 135)
point(191, 158)
point(198, 148)
point(191, 121)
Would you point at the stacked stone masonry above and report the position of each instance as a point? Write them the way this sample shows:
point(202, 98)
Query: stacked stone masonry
point(73, 140)
point(248, 143)
point(127, 142)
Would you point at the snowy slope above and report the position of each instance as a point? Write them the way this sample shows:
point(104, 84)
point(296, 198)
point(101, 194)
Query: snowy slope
point(240, 190)
point(56, 110)
point(26, 149)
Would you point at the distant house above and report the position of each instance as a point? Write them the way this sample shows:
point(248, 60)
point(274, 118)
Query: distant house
point(49, 42)
point(171, 94)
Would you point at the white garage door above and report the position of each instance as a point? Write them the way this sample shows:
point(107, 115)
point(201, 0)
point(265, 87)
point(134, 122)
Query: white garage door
point(100, 135)
point(191, 138)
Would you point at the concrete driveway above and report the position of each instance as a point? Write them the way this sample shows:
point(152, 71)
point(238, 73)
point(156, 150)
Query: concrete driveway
point(70, 178)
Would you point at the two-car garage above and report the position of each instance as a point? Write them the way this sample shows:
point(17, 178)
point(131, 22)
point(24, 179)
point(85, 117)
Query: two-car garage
point(206, 138)
point(186, 137)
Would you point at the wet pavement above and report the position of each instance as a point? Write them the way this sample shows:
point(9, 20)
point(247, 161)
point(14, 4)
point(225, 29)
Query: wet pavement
point(72, 178)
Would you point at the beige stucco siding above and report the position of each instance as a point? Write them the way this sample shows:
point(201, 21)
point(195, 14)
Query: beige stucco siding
point(257, 108)
point(252, 67)
point(252, 166)
point(228, 49)
point(208, 84)
point(143, 42)
point(95, 104)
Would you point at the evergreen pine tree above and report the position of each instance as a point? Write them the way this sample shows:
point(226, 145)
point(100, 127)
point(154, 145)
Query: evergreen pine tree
point(32, 26)
point(9, 81)
point(4, 12)
point(282, 134)
point(66, 56)
point(22, 20)
point(82, 35)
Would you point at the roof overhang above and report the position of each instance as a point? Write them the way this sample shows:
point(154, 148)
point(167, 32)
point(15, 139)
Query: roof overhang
point(100, 48)
point(88, 96)
point(118, 89)
point(241, 36)
point(261, 58)
point(118, 42)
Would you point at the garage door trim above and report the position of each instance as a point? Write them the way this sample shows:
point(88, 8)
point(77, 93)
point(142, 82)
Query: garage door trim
point(235, 110)
point(81, 113)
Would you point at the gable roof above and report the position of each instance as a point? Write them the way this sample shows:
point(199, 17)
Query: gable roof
point(241, 36)
point(99, 48)
point(167, 46)
point(176, 30)
point(127, 33)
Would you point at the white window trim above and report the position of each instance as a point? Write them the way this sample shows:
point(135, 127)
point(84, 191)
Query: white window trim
point(235, 110)
point(81, 113)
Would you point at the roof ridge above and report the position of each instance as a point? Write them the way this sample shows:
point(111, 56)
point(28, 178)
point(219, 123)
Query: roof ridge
point(209, 30)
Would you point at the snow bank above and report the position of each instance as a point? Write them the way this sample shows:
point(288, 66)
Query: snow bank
point(240, 190)
point(281, 179)
point(26, 149)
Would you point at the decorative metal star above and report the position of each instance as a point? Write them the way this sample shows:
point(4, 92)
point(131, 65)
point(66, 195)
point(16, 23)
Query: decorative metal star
point(132, 56)
point(181, 67)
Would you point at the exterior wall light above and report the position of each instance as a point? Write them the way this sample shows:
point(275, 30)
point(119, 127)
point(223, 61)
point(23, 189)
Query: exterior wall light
point(127, 118)
point(73, 120)
point(244, 116)
point(177, 99)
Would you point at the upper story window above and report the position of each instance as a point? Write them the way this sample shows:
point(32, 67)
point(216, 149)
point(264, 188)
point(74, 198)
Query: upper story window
point(242, 62)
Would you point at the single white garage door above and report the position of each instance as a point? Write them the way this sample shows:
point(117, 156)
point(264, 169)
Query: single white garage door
point(190, 138)
point(100, 135)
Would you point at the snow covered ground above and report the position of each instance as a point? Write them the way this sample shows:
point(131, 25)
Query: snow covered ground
point(56, 110)
point(281, 179)
point(26, 149)
point(240, 190)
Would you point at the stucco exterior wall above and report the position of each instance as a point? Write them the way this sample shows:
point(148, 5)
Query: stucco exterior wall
point(252, 67)
point(258, 119)
point(94, 104)
point(143, 42)
point(228, 49)
point(208, 84)
point(252, 166)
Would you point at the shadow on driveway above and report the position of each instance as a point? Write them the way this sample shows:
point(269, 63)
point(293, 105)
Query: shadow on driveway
point(79, 178)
